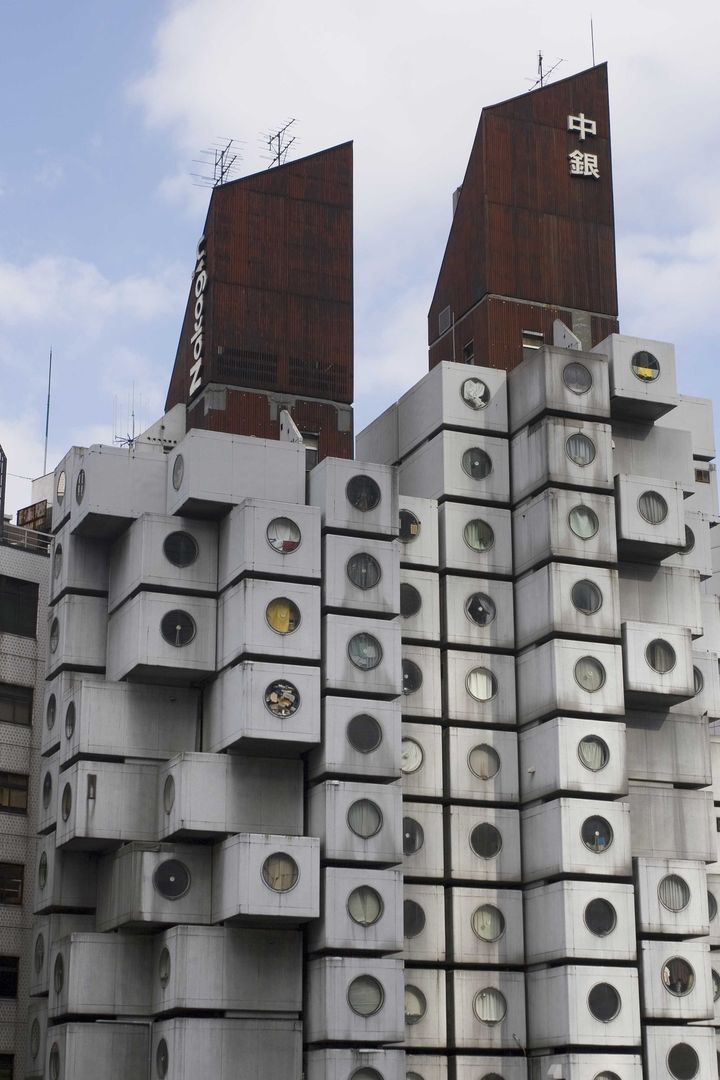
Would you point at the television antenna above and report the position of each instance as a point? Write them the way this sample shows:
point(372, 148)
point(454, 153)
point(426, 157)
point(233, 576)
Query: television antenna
point(221, 162)
point(542, 75)
point(129, 436)
point(278, 143)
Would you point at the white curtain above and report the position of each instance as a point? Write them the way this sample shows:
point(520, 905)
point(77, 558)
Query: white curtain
point(364, 905)
point(280, 872)
point(479, 535)
point(488, 923)
point(583, 522)
point(580, 449)
point(364, 818)
point(365, 995)
point(481, 684)
point(490, 1005)
point(484, 761)
point(652, 507)
point(589, 673)
point(415, 1005)
point(674, 892)
point(660, 656)
point(594, 753)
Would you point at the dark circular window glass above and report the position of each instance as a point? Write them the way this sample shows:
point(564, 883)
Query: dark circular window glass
point(580, 449)
point(583, 522)
point(476, 463)
point(54, 1062)
point(34, 1039)
point(411, 677)
point(178, 472)
point(43, 870)
point(478, 535)
point(415, 1004)
point(363, 570)
point(409, 526)
point(364, 818)
point(47, 790)
point(54, 635)
point(577, 378)
point(39, 952)
point(485, 840)
point(660, 655)
point(80, 486)
point(61, 485)
point(698, 680)
point(181, 548)
point(480, 609)
point(280, 872)
point(283, 535)
point(364, 733)
point(596, 834)
point(589, 674)
point(586, 597)
point(715, 984)
point(162, 1058)
point(712, 906)
point(413, 918)
point(365, 995)
point(678, 976)
point(600, 917)
point(363, 493)
point(365, 651)
point(488, 922)
point(168, 794)
point(645, 366)
point(172, 879)
point(164, 967)
point(475, 393)
point(364, 905)
point(593, 753)
point(410, 600)
point(178, 628)
point(604, 1002)
point(66, 802)
point(282, 615)
point(689, 541)
point(59, 973)
point(652, 507)
point(70, 720)
point(413, 836)
point(50, 712)
point(683, 1062)
point(674, 892)
point(57, 561)
point(282, 698)
point(484, 762)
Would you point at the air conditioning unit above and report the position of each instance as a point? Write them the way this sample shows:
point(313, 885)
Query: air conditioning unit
point(113, 486)
point(77, 565)
point(475, 539)
point(64, 880)
point(361, 655)
point(642, 377)
point(362, 576)
point(270, 540)
point(567, 601)
point(361, 738)
point(35, 1036)
point(671, 897)
point(576, 1005)
point(47, 930)
point(160, 637)
point(422, 761)
point(676, 1051)
point(570, 677)
point(356, 497)
point(75, 1049)
point(564, 524)
point(671, 823)
point(423, 923)
point(357, 822)
point(102, 804)
point(362, 911)
point(264, 706)
point(510, 1068)
point(77, 628)
point(339, 1064)
point(100, 975)
point(419, 538)
point(668, 747)
point(266, 877)
point(425, 1010)
point(650, 518)
point(354, 1000)
point(277, 620)
point(487, 926)
point(553, 380)
point(478, 613)
point(658, 663)
point(481, 765)
point(586, 1066)
point(697, 553)
point(560, 451)
point(47, 803)
point(422, 838)
point(489, 1010)
point(567, 754)
point(576, 836)
point(187, 1047)
point(676, 981)
point(458, 465)
point(420, 606)
point(147, 886)
point(480, 688)
point(580, 920)
point(484, 844)
point(421, 682)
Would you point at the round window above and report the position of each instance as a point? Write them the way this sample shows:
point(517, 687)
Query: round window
point(475, 393)
point(606, 1075)
point(70, 720)
point(365, 995)
point(712, 906)
point(652, 507)
point(411, 756)
point(415, 1004)
point(59, 973)
point(47, 790)
point(410, 600)
point(54, 635)
point(476, 463)
point(280, 872)
point(600, 917)
point(366, 1074)
point(683, 1062)
point(35, 1039)
point(363, 493)
point(178, 472)
point(645, 366)
point(698, 681)
point(478, 535)
point(417, 1076)
point(480, 609)
point(50, 712)
point(413, 836)
point(283, 535)
point(365, 651)
point(411, 677)
point(39, 953)
point(589, 674)
point(409, 526)
point(61, 485)
point(484, 762)
point(674, 892)
point(593, 753)
point(604, 1002)
point(413, 919)
point(596, 834)
point(678, 976)
point(660, 655)
point(54, 1062)
point(363, 570)
point(715, 984)
point(485, 840)
point(364, 733)
point(80, 486)
point(488, 922)
point(168, 793)
point(580, 449)
point(282, 615)
point(162, 1058)
point(171, 879)
point(164, 967)
point(57, 561)
point(689, 541)
point(66, 802)
point(481, 684)
point(364, 818)
point(282, 698)
point(43, 870)
point(577, 378)
point(489, 1006)
point(583, 522)
point(586, 597)
point(181, 549)
point(364, 905)
point(178, 628)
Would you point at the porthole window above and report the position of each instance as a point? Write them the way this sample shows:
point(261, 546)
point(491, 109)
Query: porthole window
point(645, 366)
point(162, 1059)
point(282, 699)
point(363, 570)
point(43, 870)
point(168, 793)
point(417, 1076)
point(488, 922)
point(600, 917)
point(689, 541)
point(39, 953)
point(364, 818)
point(411, 677)
point(164, 967)
point(283, 535)
point(715, 984)
point(54, 635)
point(54, 1062)
point(652, 507)
point(478, 535)
point(363, 493)
point(80, 486)
point(181, 549)
point(178, 628)
point(481, 684)
point(586, 597)
point(486, 841)
point(674, 892)
point(413, 919)
point(66, 802)
point(413, 836)
point(47, 790)
point(50, 712)
point(476, 463)
point(366, 1074)
point(178, 472)
point(475, 393)
point(365, 651)
point(59, 973)
point(364, 905)
point(490, 1006)
point(596, 834)
point(364, 733)
point(61, 485)
point(57, 561)
point(280, 872)
point(604, 1002)
point(410, 600)
point(282, 615)
point(589, 674)
point(484, 762)
point(660, 655)
point(712, 906)
point(365, 995)
point(605, 1075)
point(583, 522)
point(70, 720)
point(593, 753)
point(577, 378)
point(678, 976)
point(415, 1005)
point(34, 1039)
point(409, 526)
point(683, 1062)
point(171, 879)
point(411, 756)
point(491, 1076)
point(580, 449)
point(480, 609)
point(698, 681)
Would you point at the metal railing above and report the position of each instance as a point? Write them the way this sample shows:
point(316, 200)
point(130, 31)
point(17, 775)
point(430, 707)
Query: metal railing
point(35, 542)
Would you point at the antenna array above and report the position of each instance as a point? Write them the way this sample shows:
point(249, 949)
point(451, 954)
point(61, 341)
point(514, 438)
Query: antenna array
point(223, 158)
point(278, 143)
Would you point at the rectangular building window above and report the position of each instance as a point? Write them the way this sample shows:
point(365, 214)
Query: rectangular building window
point(18, 606)
point(6, 1066)
point(702, 476)
point(11, 883)
point(13, 792)
point(16, 704)
point(312, 449)
point(469, 353)
point(8, 976)
point(532, 339)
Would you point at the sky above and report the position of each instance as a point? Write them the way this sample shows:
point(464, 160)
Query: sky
point(108, 105)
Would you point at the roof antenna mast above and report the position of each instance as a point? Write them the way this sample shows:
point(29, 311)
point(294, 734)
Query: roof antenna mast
point(278, 143)
point(223, 157)
point(543, 75)
point(592, 40)
point(47, 413)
